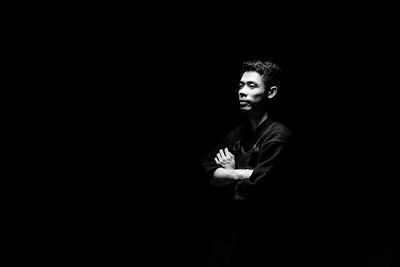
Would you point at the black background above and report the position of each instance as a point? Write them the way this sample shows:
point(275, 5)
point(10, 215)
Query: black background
point(141, 107)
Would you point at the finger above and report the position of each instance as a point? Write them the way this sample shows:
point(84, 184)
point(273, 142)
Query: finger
point(227, 153)
point(216, 161)
point(222, 153)
point(219, 157)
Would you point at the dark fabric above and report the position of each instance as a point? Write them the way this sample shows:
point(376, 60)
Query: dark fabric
point(262, 150)
point(254, 213)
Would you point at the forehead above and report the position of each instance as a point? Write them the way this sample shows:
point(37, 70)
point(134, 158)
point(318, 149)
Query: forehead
point(251, 76)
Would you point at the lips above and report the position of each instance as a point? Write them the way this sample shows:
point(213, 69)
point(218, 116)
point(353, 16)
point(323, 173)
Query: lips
point(244, 101)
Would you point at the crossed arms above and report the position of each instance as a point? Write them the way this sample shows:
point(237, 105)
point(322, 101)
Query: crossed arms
point(227, 173)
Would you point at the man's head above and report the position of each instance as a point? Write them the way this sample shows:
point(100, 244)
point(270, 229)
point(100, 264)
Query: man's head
point(258, 84)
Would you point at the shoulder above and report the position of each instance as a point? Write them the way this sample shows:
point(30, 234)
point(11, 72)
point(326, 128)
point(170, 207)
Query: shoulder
point(278, 132)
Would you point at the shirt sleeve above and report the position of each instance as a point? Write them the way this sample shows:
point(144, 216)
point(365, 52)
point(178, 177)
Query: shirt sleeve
point(208, 163)
point(270, 158)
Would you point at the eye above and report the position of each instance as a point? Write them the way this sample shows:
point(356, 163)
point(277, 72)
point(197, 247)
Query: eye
point(253, 85)
point(241, 85)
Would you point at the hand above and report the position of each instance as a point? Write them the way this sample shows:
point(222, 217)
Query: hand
point(226, 159)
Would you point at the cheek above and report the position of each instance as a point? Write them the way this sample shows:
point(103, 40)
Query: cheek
point(258, 97)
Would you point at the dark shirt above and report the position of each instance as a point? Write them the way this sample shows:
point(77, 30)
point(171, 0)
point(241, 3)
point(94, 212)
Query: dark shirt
point(252, 213)
point(263, 150)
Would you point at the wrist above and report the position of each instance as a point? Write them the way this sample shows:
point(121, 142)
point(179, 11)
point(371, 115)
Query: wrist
point(241, 174)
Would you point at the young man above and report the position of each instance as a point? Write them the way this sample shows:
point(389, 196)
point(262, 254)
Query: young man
point(248, 168)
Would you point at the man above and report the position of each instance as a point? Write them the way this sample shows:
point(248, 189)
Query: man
point(248, 170)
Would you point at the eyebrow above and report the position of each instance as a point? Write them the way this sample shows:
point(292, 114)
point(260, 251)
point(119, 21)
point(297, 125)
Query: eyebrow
point(248, 82)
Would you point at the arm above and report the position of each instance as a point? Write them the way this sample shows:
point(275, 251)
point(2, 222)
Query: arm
point(270, 160)
point(210, 162)
point(227, 173)
point(222, 176)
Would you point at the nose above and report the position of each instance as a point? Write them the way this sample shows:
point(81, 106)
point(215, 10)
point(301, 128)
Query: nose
point(242, 93)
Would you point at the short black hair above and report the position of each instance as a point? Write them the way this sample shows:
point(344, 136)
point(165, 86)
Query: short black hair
point(270, 71)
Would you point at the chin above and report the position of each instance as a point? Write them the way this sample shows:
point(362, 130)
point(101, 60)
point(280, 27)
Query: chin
point(245, 110)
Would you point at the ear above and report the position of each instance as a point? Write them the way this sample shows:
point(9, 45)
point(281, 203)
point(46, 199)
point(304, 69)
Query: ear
point(273, 90)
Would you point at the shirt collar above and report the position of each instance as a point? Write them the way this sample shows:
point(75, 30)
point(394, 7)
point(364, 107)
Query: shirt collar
point(260, 128)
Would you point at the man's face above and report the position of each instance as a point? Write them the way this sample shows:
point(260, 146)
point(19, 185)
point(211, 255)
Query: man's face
point(251, 92)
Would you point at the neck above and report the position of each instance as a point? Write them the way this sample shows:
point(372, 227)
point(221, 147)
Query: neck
point(257, 119)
